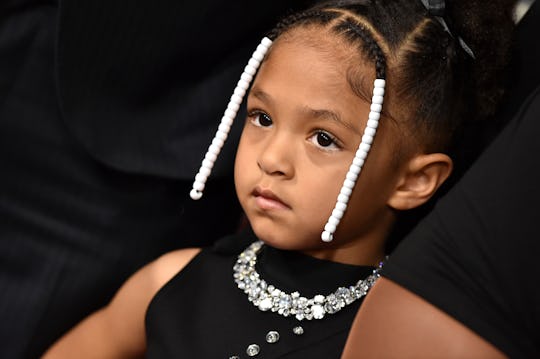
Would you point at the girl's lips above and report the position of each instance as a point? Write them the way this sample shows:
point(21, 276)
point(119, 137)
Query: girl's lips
point(266, 199)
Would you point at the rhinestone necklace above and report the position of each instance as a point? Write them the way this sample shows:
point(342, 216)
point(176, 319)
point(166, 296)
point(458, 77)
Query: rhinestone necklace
point(267, 297)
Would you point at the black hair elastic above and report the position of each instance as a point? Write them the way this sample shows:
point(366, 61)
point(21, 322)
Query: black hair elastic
point(437, 8)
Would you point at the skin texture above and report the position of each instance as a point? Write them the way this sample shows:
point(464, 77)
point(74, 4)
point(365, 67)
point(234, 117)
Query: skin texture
point(304, 125)
point(382, 329)
point(117, 330)
point(288, 174)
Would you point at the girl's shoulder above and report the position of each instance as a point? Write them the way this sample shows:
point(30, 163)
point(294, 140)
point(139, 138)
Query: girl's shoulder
point(165, 267)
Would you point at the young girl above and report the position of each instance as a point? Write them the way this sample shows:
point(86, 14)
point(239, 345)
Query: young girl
point(315, 111)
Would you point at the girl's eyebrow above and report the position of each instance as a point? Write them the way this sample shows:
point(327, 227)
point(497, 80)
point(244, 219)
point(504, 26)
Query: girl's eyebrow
point(261, 95)
point(322, 114)
point(330, 115)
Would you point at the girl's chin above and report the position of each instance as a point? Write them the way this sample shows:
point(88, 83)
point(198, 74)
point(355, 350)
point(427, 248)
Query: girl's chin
point(289, 244)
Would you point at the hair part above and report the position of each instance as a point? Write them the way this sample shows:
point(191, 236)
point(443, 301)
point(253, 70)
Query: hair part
point(434, 86)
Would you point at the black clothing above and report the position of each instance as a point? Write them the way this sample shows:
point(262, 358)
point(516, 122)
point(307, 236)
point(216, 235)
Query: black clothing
point(475, 256)
point(106, 109)
point(201, 313)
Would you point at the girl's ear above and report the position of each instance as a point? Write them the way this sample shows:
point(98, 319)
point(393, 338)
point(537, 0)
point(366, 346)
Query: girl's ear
point(422, 177)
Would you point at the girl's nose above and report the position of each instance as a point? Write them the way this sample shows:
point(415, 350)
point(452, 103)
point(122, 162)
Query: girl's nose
point(277, 157)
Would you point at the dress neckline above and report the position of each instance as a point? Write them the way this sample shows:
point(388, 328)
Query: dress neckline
point(295, 271)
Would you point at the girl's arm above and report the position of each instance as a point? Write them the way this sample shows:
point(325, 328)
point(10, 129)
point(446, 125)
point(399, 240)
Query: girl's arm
point(118, 330)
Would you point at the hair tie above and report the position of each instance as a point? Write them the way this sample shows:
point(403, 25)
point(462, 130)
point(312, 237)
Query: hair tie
point(437, 8)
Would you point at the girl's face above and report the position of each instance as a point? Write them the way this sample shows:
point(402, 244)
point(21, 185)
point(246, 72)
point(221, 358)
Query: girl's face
point(303, 128)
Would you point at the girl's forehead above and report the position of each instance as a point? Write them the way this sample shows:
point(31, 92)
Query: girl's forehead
point(301, 68)
point(297, 75)
point(320, 38)
point(347, 58)
point(324, 55)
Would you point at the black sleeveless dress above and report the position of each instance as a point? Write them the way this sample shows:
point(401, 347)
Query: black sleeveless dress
point(201, 313)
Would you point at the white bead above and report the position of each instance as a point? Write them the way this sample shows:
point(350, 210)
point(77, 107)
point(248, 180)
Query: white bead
point(195, 195)
point(230, 113)
point(205, 171)
point(254, 62)
point(330, 227)
point(356, 165)
point(336, 213)
point(354, 170)
point(250, 69)
point(343, 198)
point(367, 139)
point(372, 124)
point(211, 156)
point(221, 135)
point(218, 142)
point(240, 91)
point(207, 164)
point(333, 220)
point(346, 191)
point(327, 236)
point(375, 107)
point(227, 120)
point(378, 91)
point(379, 83)
point(352, 174)
point(262, 48)
point(236, 99)
point(223, 127)
point(199, 186)
point(377, 99)
point(348, 183)
point(243, 84)
point(266, 41)
point(257, 55)
point(233, 107)
point(361, 154)
point(200, 178)
point(365, 147)
point(214, 149)
point(370, 131)
point(359, 162)
point(376, 116)
point(341, 206)
point(246, 77)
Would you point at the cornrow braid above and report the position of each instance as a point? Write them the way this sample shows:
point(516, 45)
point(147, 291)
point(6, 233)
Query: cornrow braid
point(353, 30)
point(436, 86)
point(354, 33)
point(302, 18)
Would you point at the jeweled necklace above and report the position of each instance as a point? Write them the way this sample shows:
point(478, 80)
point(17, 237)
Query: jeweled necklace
point(267, 297)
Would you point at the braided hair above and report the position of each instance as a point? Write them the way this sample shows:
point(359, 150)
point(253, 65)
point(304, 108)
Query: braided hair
point(434, 84)
point(436, 80)
point(436, 91)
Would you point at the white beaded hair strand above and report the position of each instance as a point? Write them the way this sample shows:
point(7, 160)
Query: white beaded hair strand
point(230, 114)
point(228, 118)
point(358, 161)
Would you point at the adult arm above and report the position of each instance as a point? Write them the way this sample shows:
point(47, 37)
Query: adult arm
point(396, 323)
point(464, 281)
point(118, 330)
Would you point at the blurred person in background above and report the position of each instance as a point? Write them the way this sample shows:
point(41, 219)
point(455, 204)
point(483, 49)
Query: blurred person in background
point(105, 108)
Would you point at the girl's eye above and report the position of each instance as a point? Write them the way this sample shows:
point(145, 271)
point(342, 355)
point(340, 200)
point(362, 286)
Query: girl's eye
point(325, 140)
point(261, 119)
